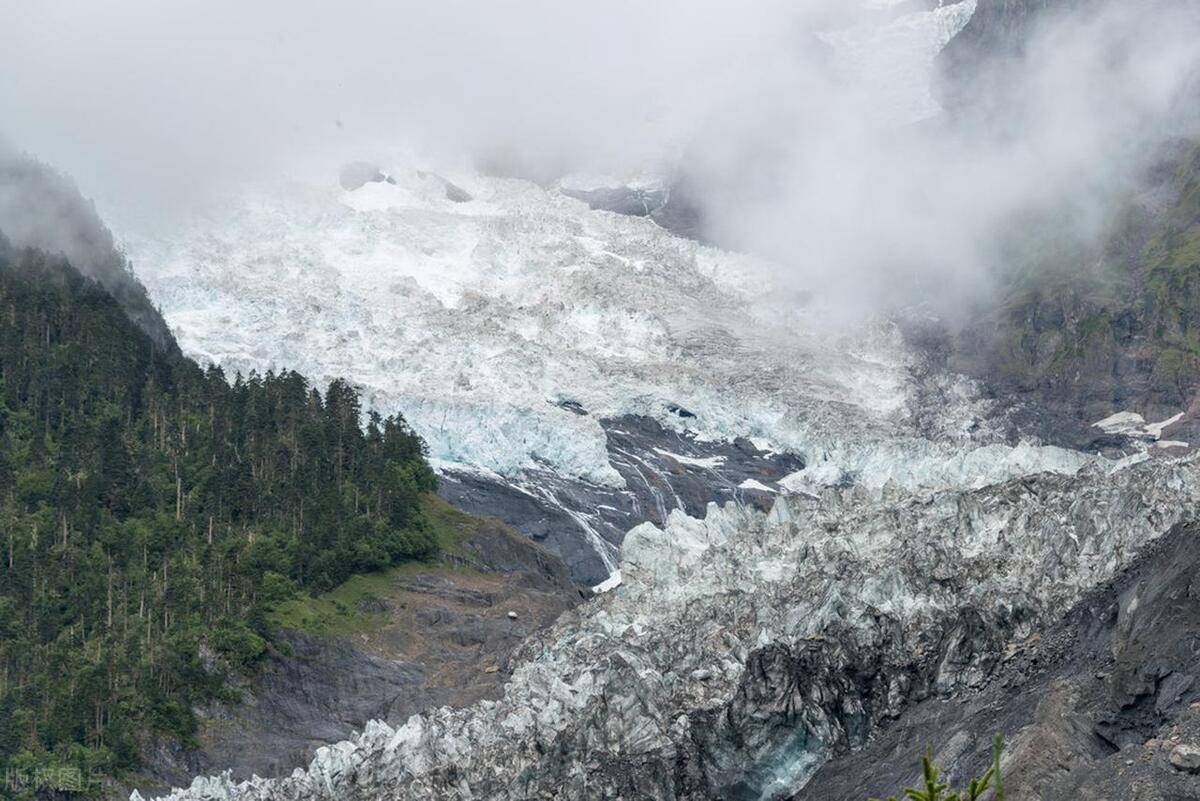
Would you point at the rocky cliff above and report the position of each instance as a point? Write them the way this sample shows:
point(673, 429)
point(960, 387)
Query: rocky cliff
point(979, 59)
point(1105, 704)
point(1080, 324)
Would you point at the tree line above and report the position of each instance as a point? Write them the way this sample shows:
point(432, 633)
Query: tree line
point(151, 511)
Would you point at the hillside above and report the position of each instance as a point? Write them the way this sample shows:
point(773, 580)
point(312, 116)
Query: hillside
point(381, 646)
point(1083, 320)
point(42, 208)
point(153, 513)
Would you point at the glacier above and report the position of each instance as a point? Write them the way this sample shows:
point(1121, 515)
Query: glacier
point(741, 649)
point(513, 326)
point(491, 323)
point(725, 654)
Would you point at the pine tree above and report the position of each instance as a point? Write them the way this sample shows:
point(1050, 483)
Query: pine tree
point(934, 789)
point(148, 506)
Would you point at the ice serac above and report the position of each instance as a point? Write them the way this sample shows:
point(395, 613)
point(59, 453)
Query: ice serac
point(743, 649)
point(554, 354)
point(554, 357)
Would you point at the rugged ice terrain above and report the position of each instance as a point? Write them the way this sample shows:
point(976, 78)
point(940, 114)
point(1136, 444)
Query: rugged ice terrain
point(513, 329)
point(533, 340)
point(879, 540)
point(742, 649)
point(536, 344)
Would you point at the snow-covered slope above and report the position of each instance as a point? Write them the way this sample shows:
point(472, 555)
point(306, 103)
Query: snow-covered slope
point(513, 326)
point(491, 323)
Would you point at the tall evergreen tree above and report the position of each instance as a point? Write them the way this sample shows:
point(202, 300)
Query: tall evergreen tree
point(149, 508)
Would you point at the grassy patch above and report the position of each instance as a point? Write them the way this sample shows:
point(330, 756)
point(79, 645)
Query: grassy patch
point(353, 606)
point(344, 610)
point(447, 523)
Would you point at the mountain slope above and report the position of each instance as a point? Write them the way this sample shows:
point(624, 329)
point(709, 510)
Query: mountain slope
point(42, 209)
point(153, 511)
point(1094, 708)
point(574, 371)
point(915, 547)
point(1089, 327)
point(742, 651)
point(382, 646)
point(1088, 320)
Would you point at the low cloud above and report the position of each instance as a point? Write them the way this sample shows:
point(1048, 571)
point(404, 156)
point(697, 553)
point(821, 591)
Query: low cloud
point(807, 129)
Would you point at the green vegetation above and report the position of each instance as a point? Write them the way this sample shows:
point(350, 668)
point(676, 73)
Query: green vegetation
point(446, 522)
point(1126, 300)
point(350, 607)
point(934, 789)
point(346, 609)
point(53, 216)
point(1172, 263)
point(152, 514)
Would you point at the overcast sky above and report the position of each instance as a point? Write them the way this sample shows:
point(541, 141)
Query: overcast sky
point(134, 91)
point(794, 116)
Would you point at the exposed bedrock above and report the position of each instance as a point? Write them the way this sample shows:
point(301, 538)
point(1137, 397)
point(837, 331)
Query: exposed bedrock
point(425, 636)
point(358, 173)
point(635, 201)
point(663, 470)
point(981, 56)
point(1100, 327)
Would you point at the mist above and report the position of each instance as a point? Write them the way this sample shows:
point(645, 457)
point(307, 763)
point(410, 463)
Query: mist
point(810, 132)
point(141, 97)
point(868, 209)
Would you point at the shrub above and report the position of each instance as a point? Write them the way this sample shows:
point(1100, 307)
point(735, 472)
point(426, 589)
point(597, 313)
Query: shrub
point(935, 790)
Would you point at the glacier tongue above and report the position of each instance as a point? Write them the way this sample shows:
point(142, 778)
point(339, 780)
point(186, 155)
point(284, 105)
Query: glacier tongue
point(741, 649)
point(514, 327)
point(587, 360)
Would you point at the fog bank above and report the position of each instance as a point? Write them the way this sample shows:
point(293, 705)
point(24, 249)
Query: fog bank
point(808, 130)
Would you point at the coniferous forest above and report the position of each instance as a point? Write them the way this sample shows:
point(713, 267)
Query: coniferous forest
point(152, 510)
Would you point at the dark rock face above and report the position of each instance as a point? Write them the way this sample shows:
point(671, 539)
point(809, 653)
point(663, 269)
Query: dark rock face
point(454, 192)
point(622, 199)
point(676, 207)
point(663, 470)
point(1104, 705)
point(1079, 330)
point(682, 212)
point(43, 209)
point(975, 62)
point(445, 637)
